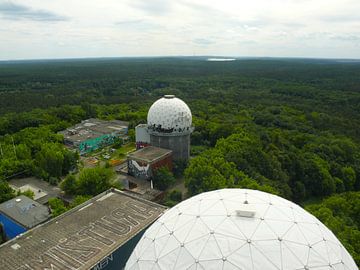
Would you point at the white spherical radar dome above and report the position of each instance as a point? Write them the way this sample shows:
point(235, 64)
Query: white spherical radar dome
point(169, 114)
point(239, 229)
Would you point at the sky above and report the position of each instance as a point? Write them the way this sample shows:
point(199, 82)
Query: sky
point(42, 29)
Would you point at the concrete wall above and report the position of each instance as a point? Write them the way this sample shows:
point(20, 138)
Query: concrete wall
point(141, 134)
point(117, 260)
point(179, 144)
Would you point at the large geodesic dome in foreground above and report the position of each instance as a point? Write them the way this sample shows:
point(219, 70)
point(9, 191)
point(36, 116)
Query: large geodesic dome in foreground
point(239, 229)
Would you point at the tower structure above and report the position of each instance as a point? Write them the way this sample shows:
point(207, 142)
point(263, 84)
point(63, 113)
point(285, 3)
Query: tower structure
point(169, 124)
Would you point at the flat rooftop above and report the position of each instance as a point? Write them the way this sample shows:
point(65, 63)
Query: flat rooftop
point(43, 191)
point(139, 188)
point(83, 236)
point(25, 211)
point(149, 154)
point(93, 128)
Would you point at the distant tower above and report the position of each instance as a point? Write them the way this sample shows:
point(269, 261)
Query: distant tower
point(169, 126)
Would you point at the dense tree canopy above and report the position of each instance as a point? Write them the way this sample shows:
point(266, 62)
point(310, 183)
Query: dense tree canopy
point(36, 151)
point(94, 181)
point(286, 126)
point(341, 214)
point(6, 192)
point(91, 181)
point(57, 207)
point(163, 178)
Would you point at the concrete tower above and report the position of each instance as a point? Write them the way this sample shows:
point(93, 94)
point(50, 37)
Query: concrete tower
point(169, 126)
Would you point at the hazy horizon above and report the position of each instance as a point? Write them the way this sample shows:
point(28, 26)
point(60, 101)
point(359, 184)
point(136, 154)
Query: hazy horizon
point(182, 56)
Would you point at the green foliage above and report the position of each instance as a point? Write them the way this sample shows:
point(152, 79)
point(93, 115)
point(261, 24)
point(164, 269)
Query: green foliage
point(349, 177)
point(70, 161)
point(201, 176)
point(93, 181)
point(296, 164)
point(89, 109)
point(28, 193)
point(318, 168)
point(23, 152)
point(284, 126)
point(118, 142)
point(197, 149)
point(38, 151)
point(211, 170)
point(172, 198)
point(131, 134)
point(90, 182)
point(50, 160)
point(80, 199)
point(6, 192)
point(57, 207)
point(299, 191)
point(53, 181)
point(179, 167)
point(69, 184)
point(341, 214)
point(163, 178)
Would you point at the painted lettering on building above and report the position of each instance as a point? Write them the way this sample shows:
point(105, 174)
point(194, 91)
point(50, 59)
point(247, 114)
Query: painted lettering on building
point(75, 251)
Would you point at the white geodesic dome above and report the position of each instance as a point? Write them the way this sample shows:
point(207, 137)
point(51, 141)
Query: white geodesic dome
point(169, 113)
point(239, 229)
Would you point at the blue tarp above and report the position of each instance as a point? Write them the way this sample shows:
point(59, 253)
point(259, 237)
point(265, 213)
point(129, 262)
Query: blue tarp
point(12, 229)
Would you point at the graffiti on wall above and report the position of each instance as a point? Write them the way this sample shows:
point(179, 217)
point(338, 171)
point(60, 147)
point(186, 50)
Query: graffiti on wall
point(96, 143)
point(138, 170)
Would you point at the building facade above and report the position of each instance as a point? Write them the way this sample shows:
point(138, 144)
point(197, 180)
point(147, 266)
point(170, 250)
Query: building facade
point(144, 162)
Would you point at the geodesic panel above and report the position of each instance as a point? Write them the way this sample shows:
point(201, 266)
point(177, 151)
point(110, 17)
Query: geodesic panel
point(239, 229)
point(169, 113)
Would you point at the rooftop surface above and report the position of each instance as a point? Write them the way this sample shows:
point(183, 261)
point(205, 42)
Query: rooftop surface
point(139, 187)
point(83, 236)
point(43, 191)
point(93, 128)
point(25, 211)
point(149, 154)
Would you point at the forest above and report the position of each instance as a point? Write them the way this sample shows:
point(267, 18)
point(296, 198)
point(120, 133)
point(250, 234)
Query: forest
point(286, 126)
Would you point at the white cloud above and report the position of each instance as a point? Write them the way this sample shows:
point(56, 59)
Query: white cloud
point(92, 28)
point(12, 11)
